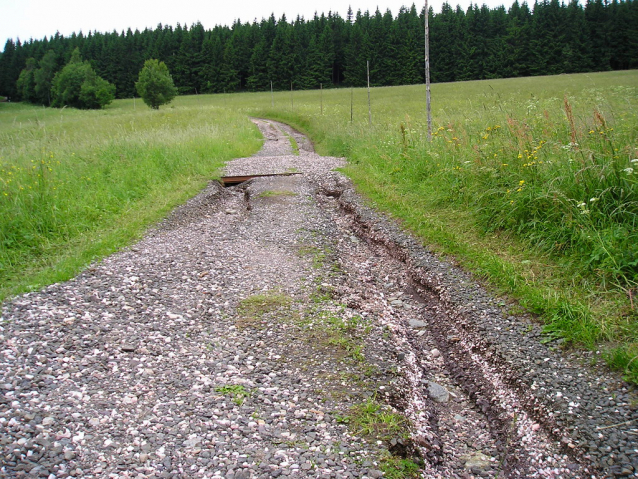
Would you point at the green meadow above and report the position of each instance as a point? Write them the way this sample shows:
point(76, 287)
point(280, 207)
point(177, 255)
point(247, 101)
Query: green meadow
point(78, 185)
point(530, 183)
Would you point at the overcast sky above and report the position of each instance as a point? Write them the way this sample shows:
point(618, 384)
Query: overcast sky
point(35, 19)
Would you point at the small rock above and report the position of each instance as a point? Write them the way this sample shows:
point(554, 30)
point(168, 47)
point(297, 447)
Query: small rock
point(47, 421)
point(128, 348)
point(435, 353)
point(477, 461)
point(415, 323)
point(438, 393)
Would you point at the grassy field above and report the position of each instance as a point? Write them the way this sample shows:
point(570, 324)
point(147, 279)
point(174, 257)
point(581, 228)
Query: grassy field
point(530, 183)
point(77, 185)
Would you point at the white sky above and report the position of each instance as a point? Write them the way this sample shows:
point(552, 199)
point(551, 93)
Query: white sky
point(35, 19)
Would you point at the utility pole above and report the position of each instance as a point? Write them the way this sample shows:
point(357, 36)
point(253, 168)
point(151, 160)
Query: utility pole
point(428, 105)
point(369, 108)
point(351, 103)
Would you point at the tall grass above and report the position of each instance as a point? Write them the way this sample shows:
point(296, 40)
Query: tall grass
point(531, 183)
point(75, 185)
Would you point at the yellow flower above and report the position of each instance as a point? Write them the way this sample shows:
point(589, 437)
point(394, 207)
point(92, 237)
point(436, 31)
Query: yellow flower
point(522, 182)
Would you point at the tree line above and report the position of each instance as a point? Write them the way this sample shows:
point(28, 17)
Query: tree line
point(477, 43)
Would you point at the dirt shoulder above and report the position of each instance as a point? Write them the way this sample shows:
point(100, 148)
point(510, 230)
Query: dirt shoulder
point(282, 328)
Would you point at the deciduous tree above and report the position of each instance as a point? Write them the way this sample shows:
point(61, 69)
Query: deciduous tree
point(155, 84)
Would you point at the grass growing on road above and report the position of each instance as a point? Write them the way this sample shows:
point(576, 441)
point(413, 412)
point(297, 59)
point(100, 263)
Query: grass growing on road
point(77, 185)
point(252, 311)
point(237, 392)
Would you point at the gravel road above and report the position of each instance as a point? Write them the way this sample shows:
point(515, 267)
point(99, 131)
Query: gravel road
point(283, 328)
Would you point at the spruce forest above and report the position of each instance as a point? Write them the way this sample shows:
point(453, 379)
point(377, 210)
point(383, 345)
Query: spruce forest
point(478, 43)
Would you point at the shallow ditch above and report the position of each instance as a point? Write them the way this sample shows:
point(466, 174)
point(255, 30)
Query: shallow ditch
point(546, 416)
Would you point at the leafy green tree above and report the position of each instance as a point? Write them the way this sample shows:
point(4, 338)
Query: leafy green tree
point(44, 77)
point(95, 92)
point(155, 84)
point(26, 82)
point(78, 85)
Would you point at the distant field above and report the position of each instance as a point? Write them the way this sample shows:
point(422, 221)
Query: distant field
point(528, 182)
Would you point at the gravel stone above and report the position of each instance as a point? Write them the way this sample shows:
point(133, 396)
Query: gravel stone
point(437, 392)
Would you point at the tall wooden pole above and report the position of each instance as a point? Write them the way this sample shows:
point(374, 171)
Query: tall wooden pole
point(351, 103)
point(369, 109)
point(428, 105)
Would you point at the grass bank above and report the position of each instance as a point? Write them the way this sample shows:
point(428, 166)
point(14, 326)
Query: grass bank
point(530, 183)
point(77, 185)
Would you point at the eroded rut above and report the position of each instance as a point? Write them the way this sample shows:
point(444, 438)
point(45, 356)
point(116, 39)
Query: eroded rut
point(282, 328)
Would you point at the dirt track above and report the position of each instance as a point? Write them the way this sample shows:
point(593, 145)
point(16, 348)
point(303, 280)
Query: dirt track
point(234, 340)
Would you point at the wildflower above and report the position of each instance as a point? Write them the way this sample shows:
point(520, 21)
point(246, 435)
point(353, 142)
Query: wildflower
point(584, 212)
point(520, 156)
point(629, 171)
point(581, 205)
point(522, 182)
point(519, 189)
point(505, 164)
point(485, 137)
point(634, 160)
point(593, 200)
